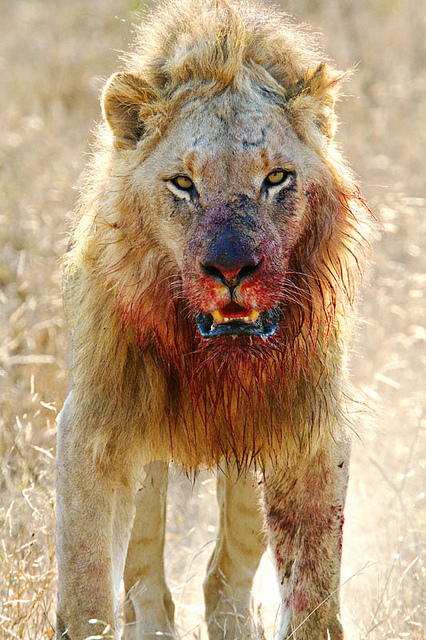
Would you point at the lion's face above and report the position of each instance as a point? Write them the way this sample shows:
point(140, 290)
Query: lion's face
point(228, 184)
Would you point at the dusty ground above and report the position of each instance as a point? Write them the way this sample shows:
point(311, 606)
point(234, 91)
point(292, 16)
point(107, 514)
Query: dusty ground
point(53, 57)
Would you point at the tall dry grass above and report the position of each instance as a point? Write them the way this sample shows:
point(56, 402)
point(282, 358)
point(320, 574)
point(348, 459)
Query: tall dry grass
point(53, 57)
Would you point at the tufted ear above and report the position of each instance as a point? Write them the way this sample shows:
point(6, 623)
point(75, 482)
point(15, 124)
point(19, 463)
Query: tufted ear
point(315, 94)
point(123, 99)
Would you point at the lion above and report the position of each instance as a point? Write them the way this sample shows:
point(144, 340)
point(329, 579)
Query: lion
point(208, 287)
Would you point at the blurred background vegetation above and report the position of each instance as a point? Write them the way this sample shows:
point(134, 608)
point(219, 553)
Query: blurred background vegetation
point(54, 57)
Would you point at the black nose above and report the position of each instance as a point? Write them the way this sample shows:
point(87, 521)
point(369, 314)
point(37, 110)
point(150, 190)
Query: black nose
point(231, 274)
point(231, 256)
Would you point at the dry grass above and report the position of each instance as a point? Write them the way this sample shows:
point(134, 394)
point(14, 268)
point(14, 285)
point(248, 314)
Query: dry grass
point(52, 56)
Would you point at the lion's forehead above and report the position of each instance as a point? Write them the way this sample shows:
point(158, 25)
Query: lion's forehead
point(232, 133)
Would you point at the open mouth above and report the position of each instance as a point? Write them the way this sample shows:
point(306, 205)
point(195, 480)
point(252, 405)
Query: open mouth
point(237, 321)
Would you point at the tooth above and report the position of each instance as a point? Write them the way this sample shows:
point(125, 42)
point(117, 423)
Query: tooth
point(217, 317)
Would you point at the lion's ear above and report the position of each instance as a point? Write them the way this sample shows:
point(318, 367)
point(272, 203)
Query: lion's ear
point(315, 94)
point(123, 98)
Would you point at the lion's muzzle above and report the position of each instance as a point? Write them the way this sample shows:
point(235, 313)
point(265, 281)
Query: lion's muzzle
point(232, 279)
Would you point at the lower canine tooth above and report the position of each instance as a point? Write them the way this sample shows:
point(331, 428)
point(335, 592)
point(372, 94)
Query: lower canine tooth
point(218, 317)
point(253, 316)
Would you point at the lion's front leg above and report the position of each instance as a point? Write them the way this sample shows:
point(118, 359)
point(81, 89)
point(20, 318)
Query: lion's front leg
point(149, 609)
point(304, 517)
point(95, 510)
point(239, 547)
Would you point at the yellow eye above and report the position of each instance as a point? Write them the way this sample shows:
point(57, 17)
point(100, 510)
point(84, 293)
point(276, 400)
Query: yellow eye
point(183, 182)
point(276, 177)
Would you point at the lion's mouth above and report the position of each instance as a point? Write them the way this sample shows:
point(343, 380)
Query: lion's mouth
point(236, 320)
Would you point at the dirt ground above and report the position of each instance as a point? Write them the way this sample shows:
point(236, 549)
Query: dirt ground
point(54, 57)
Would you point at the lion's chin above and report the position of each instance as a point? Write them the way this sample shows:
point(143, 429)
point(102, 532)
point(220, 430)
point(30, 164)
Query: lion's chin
point(265, 325)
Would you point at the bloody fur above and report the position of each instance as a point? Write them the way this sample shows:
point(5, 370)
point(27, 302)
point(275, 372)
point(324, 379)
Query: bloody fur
point(249, 379)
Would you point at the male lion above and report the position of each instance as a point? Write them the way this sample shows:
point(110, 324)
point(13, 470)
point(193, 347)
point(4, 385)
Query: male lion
point(208, 287)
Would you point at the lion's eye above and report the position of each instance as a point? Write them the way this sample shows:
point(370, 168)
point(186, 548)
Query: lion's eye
point(183, 182)
point(279, 176)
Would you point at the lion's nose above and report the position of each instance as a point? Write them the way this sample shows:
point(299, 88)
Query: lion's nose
point(231, 257)
point(233, 272)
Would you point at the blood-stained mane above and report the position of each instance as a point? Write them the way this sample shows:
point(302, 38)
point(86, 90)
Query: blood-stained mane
point(224, 398)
